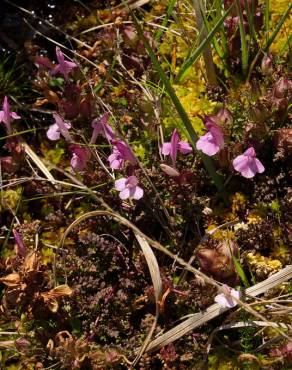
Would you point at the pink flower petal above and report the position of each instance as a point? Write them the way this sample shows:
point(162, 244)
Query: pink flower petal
point(79, 158)
point(115, 161)
point(64, 67)
point(260, 167)
point(240, 163)
point(125, 151)
point(132, 181)
point(14, 115)
point(174, 145)
point(101, 127)
point(125, 193)
point(247, 164)
point(250, 152)
point(136, 192)
point(227, 300)
point(207, 144)
point(184, 147)
point(120, 184)
point(53, 132)
point(59, 55)
point(165, 148)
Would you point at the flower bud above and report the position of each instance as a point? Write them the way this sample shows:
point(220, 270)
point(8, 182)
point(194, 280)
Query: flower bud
point(8, 164)
point(170, 171)
point(282, 88)
point(267, 65)
point(225, 117)
point(22, 344)
point(283, 140)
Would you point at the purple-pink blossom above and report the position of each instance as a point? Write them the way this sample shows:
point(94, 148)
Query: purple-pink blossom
point(229, 298)
point(247, 164)
point(21, 249)
point(60, 127)
point(64, 67)
point(79, 158)
point(213, 140)
point(128, 188)
point(101, 127)
point(121, 153)
point(175, 145)
point(6, 116)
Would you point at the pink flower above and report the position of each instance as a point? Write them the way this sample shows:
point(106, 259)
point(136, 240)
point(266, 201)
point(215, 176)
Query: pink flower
point(213, 140)
point(226, 299)
point(64, 67)
point(6, 116)
point(101, 127)
point(175, 145)
point(128, 188)
point(79, 158)
point(59, 127)
point(247, 164)
point(120, 154)
point(21, 250)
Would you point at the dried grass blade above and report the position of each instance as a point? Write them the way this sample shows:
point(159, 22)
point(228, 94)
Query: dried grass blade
point(152, 265)
point(211, 312)
point(157, 285)
point(37, 161)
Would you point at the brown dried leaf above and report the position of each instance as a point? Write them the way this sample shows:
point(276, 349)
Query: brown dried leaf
point(51, 296)
point(11, 280)
point(40, 102)
point(31, 262)
point(59, 291)
point(53, 305)
point(51, 96)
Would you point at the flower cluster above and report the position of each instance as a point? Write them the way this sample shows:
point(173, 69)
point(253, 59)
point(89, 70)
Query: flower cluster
point(121, 153)
point(213, 141)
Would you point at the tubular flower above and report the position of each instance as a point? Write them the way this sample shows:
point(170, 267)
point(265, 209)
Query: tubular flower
point(6, 116)
point(59, 127)
point(128, 188)
point(101, 127)
point(213, 140)
point(226, 299)
point(120, 154)
point(64, 67)
point(175, 145)
point(247, 164)
point(79, 158)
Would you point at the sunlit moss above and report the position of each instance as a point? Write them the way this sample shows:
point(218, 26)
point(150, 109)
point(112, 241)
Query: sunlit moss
point(263, 266)
point(10, 198)
point(281, 252)
point(254, 217)
point(277, 9)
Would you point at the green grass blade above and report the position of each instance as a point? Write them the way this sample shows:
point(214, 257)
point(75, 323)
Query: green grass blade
point(267, 18)
point(208, 163)
point(197, 53)
point(240, 271)
point(161, 31)
point(215, 42)
point(250, 19)
point(277, 29)
point(244, 46)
